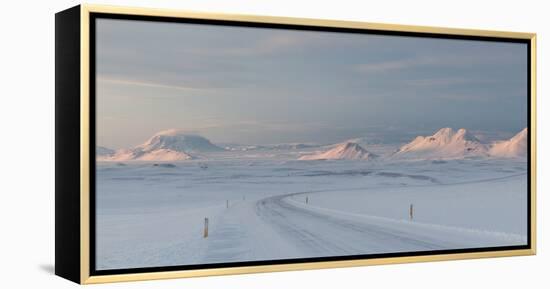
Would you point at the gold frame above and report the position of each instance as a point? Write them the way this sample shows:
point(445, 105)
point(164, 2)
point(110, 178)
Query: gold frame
point(85, 276)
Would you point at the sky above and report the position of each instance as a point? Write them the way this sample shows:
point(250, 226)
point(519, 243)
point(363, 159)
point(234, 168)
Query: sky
point(260, 86)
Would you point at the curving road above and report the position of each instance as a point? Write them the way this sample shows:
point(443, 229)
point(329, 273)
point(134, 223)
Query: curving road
point(321, 234)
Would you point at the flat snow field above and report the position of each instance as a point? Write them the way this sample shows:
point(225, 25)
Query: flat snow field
point(153, 214)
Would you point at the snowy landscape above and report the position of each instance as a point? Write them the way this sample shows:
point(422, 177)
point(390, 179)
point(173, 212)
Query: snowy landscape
point(220, 144)
point(448, 190)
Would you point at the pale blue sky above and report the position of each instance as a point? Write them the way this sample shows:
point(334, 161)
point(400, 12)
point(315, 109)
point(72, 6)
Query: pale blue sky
point(257, 85)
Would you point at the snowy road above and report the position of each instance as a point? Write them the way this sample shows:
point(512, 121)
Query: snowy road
point(317, 231)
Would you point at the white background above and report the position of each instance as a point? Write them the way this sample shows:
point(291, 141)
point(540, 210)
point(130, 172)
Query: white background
point(27, 144)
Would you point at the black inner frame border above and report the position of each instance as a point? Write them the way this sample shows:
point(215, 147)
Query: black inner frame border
point(92, 94)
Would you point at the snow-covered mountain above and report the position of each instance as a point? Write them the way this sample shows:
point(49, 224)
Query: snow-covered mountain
point(178, 140)
point(512, 148)
point(169, 145)
point(103, 151)
point(343, 151)
point(444, 144)
point(137, 154)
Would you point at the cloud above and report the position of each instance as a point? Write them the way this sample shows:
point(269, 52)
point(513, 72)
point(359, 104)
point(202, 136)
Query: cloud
point(283, 42)
point(272, 44)
point(393, 65)
point(148, 84)
point(446, 81)
point(443, 60)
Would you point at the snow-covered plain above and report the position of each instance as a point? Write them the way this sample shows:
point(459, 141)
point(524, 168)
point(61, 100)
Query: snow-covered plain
point(265, 205)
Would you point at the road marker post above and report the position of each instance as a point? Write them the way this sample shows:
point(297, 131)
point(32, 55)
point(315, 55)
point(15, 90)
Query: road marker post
point(205, 234)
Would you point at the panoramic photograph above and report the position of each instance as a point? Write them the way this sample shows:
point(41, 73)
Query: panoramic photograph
point(219, 144)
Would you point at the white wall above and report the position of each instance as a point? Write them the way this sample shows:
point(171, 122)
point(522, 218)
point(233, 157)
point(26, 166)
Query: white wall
point(27, 143)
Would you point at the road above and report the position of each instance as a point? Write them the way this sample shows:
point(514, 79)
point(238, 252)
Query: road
point(317, 232)
point(321, 234)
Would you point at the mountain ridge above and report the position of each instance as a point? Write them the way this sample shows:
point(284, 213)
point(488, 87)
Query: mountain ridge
point(444, 144)
point(514, 147)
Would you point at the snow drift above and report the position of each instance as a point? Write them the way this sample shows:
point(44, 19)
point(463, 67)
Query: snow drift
point(343, 151)
point(444, 144)
point(512, 148)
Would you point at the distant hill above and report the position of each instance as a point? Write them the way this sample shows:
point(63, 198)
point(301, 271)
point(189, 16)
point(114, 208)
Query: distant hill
point(169, 145)
point(444, 144)
point(103, 151)
point(343, 151)
point(512, 148)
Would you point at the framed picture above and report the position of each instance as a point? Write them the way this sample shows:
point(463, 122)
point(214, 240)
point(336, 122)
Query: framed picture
point(193, 144)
